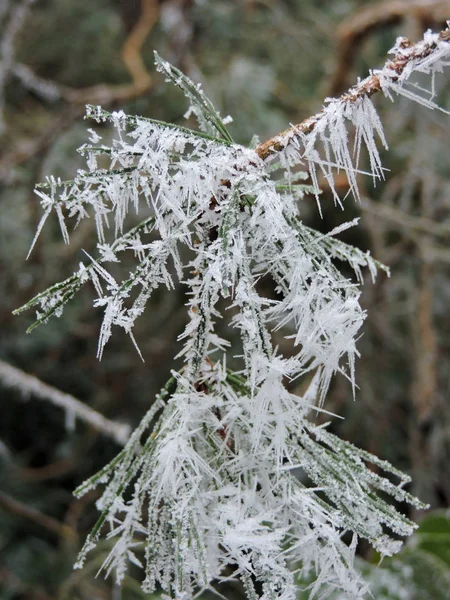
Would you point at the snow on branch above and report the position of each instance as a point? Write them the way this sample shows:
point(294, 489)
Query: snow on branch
point(28, 385)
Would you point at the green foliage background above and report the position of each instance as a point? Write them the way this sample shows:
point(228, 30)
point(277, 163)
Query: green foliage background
point(267, 63)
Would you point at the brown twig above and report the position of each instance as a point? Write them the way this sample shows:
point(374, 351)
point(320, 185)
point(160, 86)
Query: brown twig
point(52, 471)
point(425, 384)
point(131, 50)
point(131, 54)
point(367, 87)
point(20, 509)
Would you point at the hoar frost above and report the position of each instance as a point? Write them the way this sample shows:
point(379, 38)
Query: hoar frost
point(205, 488)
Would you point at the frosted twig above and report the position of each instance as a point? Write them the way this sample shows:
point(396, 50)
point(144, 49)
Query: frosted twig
point(29, 385)
point(322, 143)
point(352, 32)
point(407, 54)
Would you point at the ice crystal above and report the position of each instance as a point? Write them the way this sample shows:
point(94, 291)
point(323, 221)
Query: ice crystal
point(207, 486)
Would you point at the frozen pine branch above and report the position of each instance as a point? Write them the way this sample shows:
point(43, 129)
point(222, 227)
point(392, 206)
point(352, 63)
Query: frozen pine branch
point(227, 475)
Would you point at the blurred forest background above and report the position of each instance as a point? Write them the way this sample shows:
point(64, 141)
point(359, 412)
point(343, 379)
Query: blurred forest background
point(267, 63)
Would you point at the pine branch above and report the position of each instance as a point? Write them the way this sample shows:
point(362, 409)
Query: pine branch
point(206, 482)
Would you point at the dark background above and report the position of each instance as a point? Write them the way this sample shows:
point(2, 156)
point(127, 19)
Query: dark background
point(267, 63)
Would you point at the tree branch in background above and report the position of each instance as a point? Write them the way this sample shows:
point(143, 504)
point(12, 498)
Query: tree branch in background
point(20, 509)
point(426, 372)
point(4, 5)
point(13, 27)
point(54, 470)
point(131, 50)
point(25, 150)
point(403, 220)
point(425, 384)
point(51, 91)
point(13, 583)
point(29, 385)
point(104, 93)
